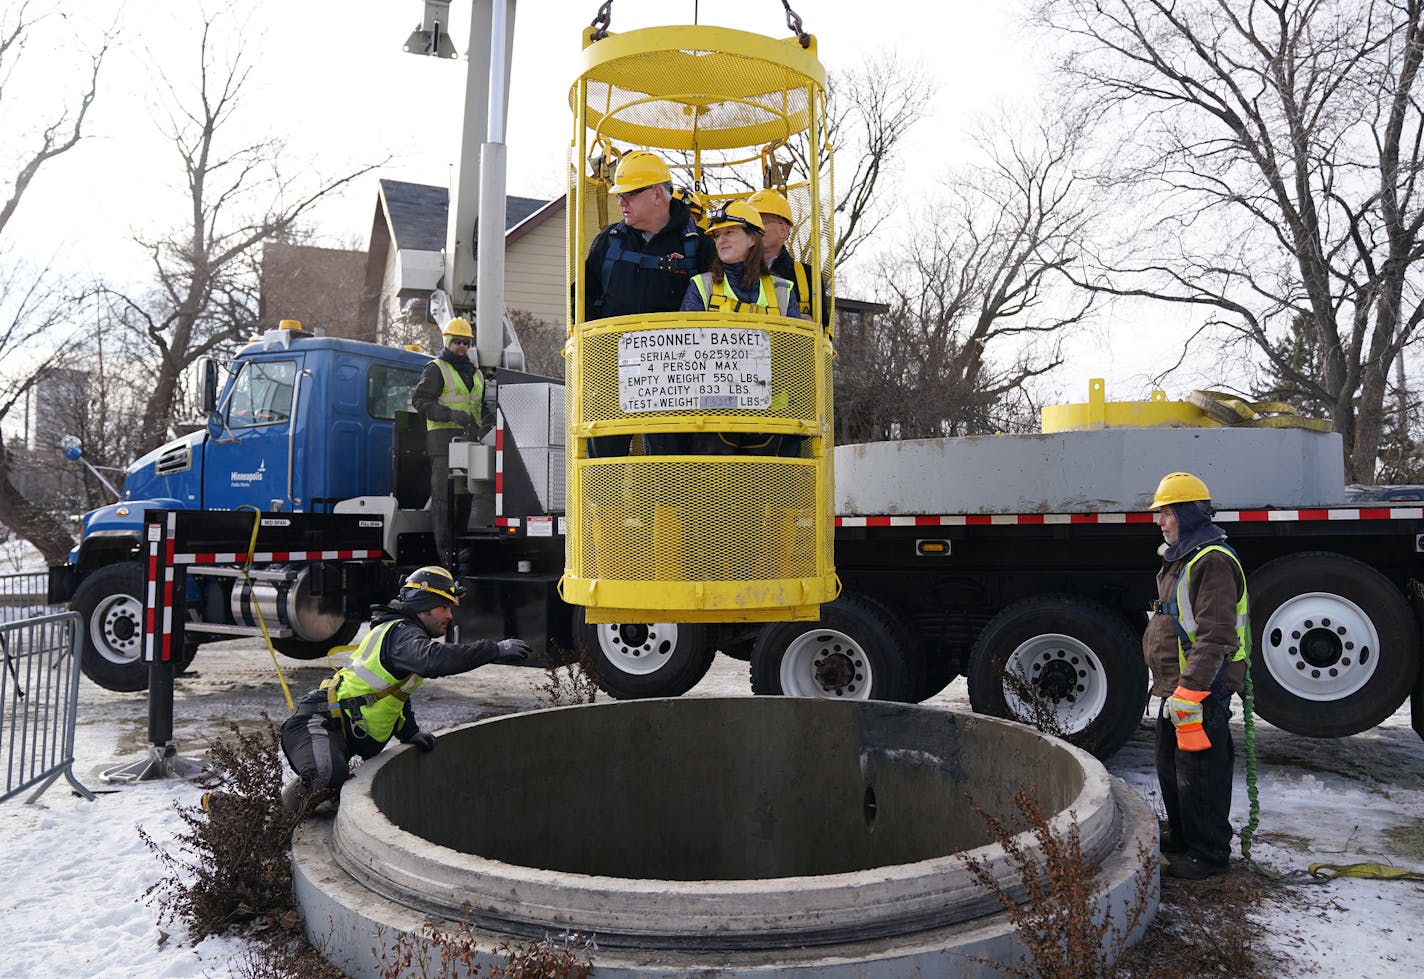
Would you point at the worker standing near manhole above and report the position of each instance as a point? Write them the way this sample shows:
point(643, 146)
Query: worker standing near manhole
point(1196, 645)
point(368, 701)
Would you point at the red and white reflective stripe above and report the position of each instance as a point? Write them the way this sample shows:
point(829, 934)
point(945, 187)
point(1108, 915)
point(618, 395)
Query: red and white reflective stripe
point(498, 463)
point(1039, 519)
point(506, 521)
point(269, 557)
point(158, 622)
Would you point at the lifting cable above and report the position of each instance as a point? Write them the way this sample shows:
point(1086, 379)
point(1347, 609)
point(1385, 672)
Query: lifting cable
point(1316, 873)
point(257, 605)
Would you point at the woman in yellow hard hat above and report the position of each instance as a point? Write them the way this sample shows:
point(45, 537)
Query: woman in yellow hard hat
point(1196, 645)
point(739, 280)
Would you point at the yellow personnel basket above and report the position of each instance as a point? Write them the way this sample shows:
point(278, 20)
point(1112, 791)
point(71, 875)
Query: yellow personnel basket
point(716, 503)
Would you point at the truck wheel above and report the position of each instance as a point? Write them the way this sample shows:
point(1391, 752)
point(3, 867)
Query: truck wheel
point(858, 651)
point(316, 649)
point(1336, 647)
point(1066, 665)
point(110, 605)
point(633, 661)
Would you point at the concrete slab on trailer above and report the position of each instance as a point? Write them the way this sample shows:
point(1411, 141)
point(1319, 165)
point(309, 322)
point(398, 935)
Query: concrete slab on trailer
point(1109, 470)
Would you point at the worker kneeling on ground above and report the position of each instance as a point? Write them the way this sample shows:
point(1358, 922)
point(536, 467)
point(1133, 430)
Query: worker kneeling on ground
point(1197, 644)
point(358, 710)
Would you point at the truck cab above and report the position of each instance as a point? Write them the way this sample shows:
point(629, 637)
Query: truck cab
point(302, 423)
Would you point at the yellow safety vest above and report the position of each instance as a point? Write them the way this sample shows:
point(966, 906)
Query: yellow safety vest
point(723, 298)
point(365, 690)
point(455, 396)
point(1187, 620)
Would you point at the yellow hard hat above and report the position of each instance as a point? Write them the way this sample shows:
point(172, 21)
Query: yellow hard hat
point(458, 327)
point(637, 170)
point(693, 200)
point(733, 213)
point(771, 202)
point(1180, 488)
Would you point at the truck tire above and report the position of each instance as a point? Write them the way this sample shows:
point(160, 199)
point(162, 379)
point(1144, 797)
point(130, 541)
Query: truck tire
point(1335, 645)
point(859, 650)
point(316, 649)
point(110, 604)
point(632, 661)
point(1078, 667)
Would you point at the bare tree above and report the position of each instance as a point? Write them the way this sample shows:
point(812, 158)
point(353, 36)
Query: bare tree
point(1277, 148)
point(870, 110)
point(206, 271)
point(974, 314)
point(32, 310)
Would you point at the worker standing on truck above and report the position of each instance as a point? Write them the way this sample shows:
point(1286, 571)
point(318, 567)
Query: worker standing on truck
point(1197, 643)
point(448, 397)
point(642, 264)
point(368, 701)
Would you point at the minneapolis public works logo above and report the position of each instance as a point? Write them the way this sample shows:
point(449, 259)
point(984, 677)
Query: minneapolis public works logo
point(247, 479)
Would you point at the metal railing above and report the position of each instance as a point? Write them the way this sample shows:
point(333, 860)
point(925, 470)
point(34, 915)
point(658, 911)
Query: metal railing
point(39, 700)
point(24, 596)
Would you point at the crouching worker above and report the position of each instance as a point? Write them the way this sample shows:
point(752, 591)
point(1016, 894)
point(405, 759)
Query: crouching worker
point(359, 709)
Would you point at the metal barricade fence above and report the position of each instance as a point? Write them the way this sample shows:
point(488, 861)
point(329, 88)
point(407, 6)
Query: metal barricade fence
point(24, 596)
point(39, 702)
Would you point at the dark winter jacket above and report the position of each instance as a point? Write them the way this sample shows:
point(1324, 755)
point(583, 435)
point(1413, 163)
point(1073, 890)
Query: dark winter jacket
point(631, 288)
point(408, 649)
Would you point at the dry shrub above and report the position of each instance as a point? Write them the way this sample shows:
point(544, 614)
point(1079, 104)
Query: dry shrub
point(568, 683)
point(1205, 928)
point(232, 869)
point(1064, 936)
point(232, 863)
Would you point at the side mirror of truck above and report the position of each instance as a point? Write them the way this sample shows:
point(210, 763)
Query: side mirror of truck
point(216, 427)
point(210, 388)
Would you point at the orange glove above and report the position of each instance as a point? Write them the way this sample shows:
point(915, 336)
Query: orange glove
point(1184, 707)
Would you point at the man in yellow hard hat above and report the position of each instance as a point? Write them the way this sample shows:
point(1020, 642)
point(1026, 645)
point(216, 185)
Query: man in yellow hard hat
point(1197, 645)
point(367, 702)
point(643, 263)
point(778, 221)
point(448, 397)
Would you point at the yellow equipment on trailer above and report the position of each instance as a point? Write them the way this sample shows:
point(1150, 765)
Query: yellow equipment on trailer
point(701, 537)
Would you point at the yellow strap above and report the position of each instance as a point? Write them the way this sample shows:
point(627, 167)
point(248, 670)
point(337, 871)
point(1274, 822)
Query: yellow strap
point(257, 606)
point(1370, 871)
point(1232, 411)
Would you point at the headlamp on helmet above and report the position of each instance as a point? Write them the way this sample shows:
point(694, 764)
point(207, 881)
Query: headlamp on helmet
point(732, 214)
point(428, 587)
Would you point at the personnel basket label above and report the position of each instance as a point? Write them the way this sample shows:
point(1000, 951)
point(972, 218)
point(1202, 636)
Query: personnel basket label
point(694, 369)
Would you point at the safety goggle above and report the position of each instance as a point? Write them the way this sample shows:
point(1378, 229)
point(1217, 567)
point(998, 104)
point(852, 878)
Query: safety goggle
point(719, 215)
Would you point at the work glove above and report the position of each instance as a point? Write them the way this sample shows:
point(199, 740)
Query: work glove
point(1185, 709)
point(425, 741)
point(512, 652)
point(461, 418)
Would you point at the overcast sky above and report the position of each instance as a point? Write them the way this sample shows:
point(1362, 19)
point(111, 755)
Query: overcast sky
point(331, 79)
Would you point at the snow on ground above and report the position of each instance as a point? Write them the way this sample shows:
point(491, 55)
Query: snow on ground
point(76, 872)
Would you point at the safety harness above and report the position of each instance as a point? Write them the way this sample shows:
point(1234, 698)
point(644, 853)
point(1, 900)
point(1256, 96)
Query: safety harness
point(678, 263)
point(359, 673)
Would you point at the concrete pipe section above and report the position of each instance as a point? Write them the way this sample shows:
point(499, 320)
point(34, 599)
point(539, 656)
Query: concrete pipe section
point(748, 836)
